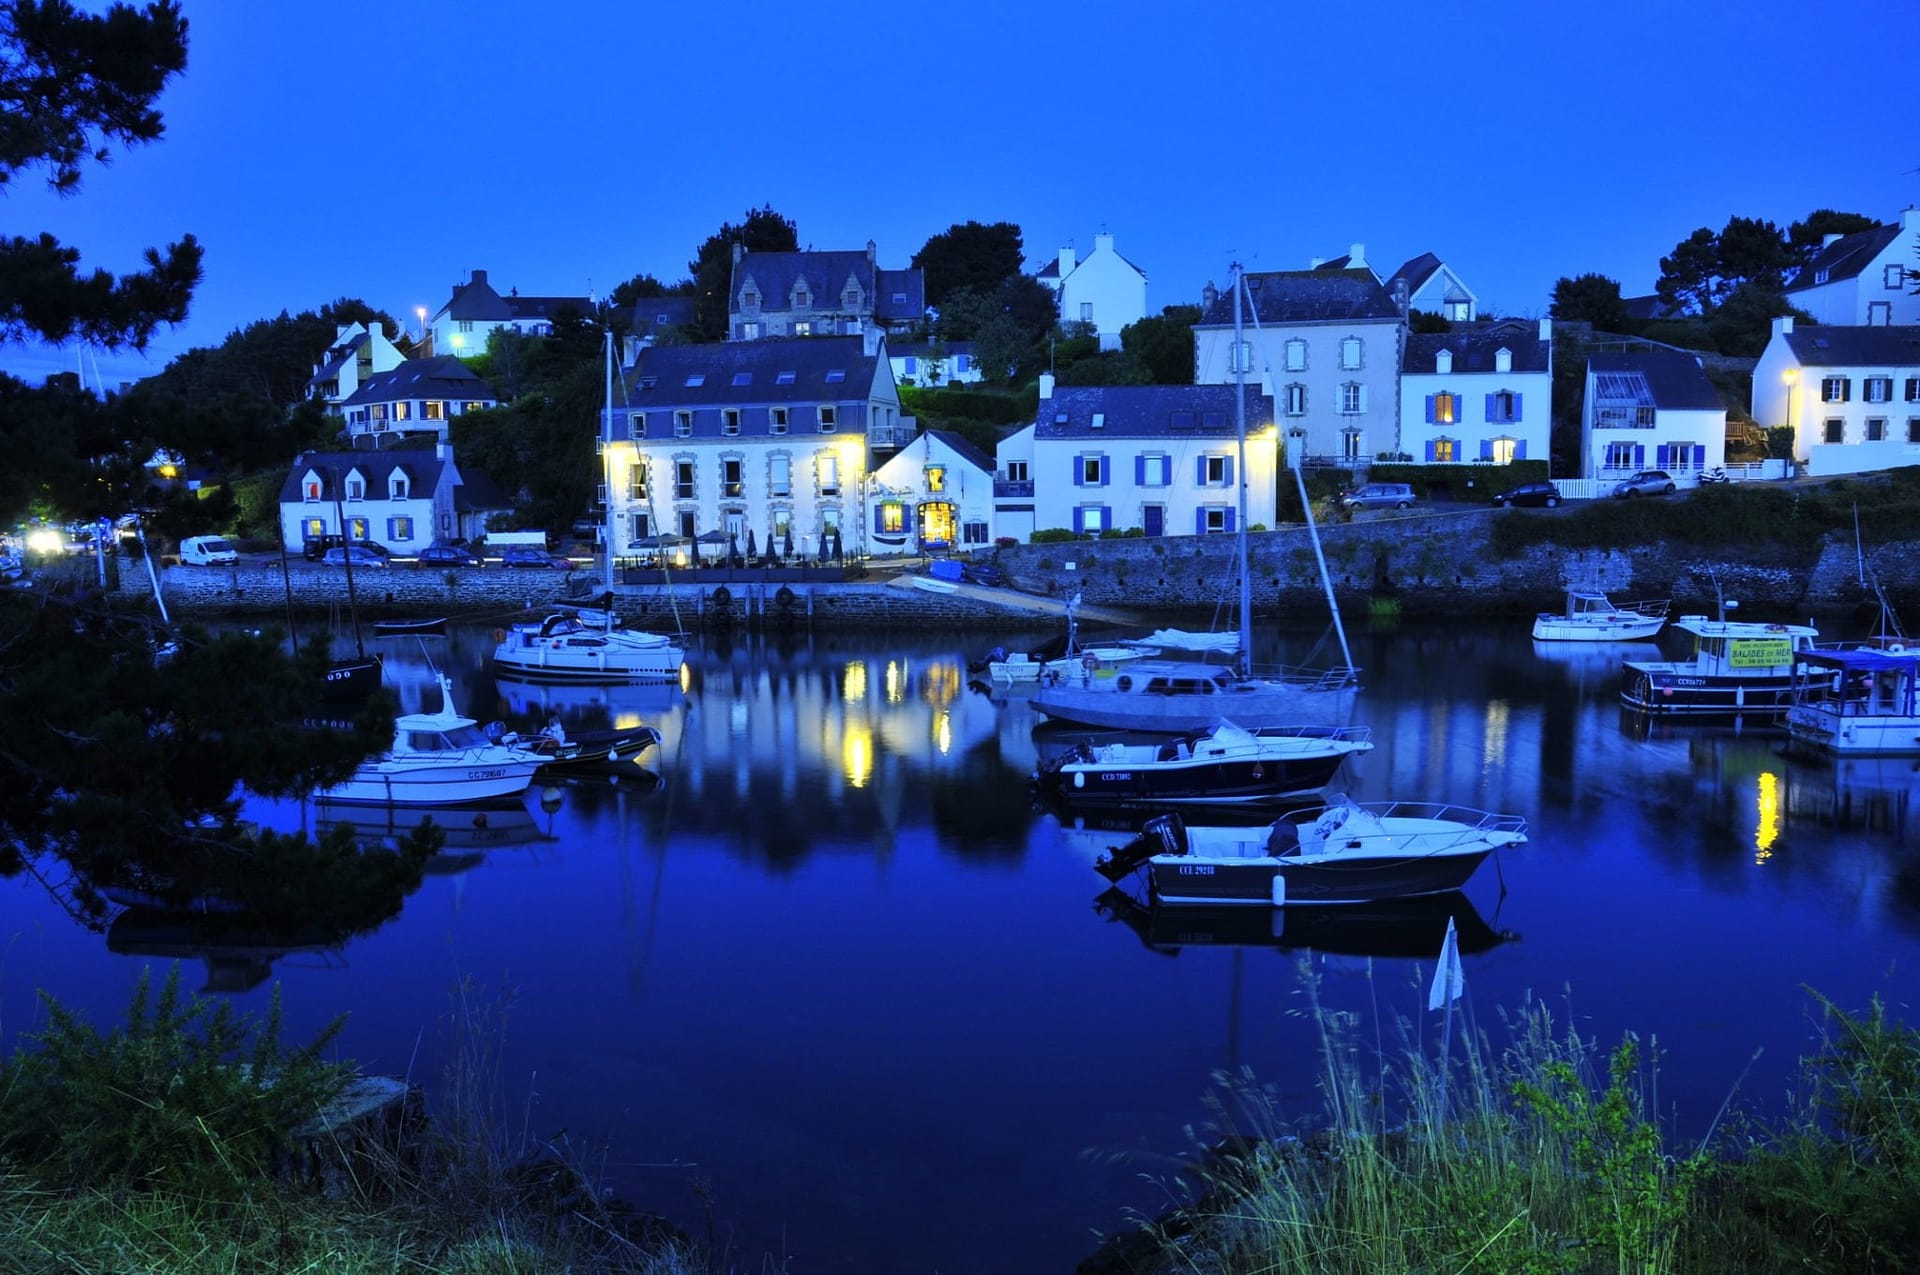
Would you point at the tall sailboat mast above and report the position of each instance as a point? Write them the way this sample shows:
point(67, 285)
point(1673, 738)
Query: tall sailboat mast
point(1240, 360)
point(606, 469)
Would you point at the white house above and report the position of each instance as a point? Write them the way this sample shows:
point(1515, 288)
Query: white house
point(1325, 343)
point(933, 496)
point(1105, 290)
point(1850, 393)
point(1481, 394)
point(461, 326)
point(418, 397)
point(1430, 286)
point(403, 499)
point(1160, 458)
point(934, 363)
point(1861, 279)
point(357, 354)
point(776, 437)
point(1650, 410)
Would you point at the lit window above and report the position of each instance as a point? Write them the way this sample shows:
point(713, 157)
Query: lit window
point(1445, 450)
point(893, 518)
point(1446, 410)
point(936, 478)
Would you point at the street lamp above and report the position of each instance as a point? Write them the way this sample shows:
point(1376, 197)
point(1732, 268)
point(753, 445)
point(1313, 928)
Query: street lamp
point(1791, 376)
point(421, 311)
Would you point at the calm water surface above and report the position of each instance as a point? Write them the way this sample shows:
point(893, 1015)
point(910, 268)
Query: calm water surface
point(833, 970)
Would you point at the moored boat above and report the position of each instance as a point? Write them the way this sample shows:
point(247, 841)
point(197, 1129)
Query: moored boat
point(1343, 852)
point(1221, 763)
point(1185, 695)
point(1593, 617)
point(560, 647)
point(438, 759)
point(1736, 668)
point(1862, 702)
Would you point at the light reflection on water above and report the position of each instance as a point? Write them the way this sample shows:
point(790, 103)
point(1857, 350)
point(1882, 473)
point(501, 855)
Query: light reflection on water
point(824, 958)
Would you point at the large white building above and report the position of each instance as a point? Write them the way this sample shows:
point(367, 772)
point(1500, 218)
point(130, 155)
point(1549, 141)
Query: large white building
point(1650, 410)
point(1861, 279)
point(1103, 289)
point(1850, 393)
point(1478, 394)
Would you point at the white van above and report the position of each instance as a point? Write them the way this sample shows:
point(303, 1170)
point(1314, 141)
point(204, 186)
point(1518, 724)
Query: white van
point(206, 551)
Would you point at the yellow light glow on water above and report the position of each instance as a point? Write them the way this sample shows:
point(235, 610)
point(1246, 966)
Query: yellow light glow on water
point(1769, 830)
point(1499, 722)
point(686, 678)
point(943, 733)
point(855, 689)
point(856, 755)
point(896, 681)
point(940, 683)
point(628, 721)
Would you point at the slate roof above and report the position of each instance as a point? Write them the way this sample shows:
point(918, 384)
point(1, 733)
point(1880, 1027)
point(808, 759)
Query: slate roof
point(720, 364)
point(1147, 411)
point(421, 467)
point(1052, 269)
point(825, 274)
point(444, 377)
point(1847, 346)
point(1845, 257)
point(962, 448)
point(1677, 381)
point(1473, 351)
point(1650, 307)
point(1415, 272)
point(340, 355)
point(476, 300)
point(910, 284)
point(1307, 296)
point(655, 315)
point(478, 493)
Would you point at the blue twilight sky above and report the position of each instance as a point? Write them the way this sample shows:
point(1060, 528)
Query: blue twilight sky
point(383, 151)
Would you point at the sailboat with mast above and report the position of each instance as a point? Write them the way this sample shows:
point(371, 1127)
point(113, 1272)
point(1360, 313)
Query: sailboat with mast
point(1165, 695)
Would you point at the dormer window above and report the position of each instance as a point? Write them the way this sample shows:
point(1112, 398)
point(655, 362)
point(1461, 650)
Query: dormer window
point(748, 300)
point(852, 299)
point(356, 487)
point(1503, 360)
point(800, 299)
point(313, 488)
point(1443, 362)
point(397, 487)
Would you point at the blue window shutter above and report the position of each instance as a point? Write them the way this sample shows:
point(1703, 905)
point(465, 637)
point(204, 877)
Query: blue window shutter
point(1229, 471)
point(1516, 406)
point(1430, 409)
point(1106, 518)
point(1432, 447)
point(1199, 522)
point(1106, 472)
point(1079, 471)
point(1486, 449)
point(1639, 455)
point(1230, 522)
point(1493, 407)
point(1520, 449)
point(1200, 472)
point(1659, 456)
point(1139, 471)
point(879, 523)
point(1699, 455)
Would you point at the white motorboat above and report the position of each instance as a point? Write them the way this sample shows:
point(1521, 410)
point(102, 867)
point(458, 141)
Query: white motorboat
point(1736, 668)
point(1344, 852)
point(1223, 763)
point(1594, 617)
point(438, 759)
point(1861, 702)
point(561, 647)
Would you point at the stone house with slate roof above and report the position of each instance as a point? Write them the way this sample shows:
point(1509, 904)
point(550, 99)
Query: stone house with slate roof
point(462, 325)
point(1851, 394)
point(1478, 395)
point(1105, 289)
point(1429, 285)
point(1162, 458)
point(357, 354)
point(820, 294)
point(401, 498)
point(1325, 344)
point(656, 319)
point(1861, 279)
point(934, 496)
point(1650, 410)
point(763, 435)
point(418, 397)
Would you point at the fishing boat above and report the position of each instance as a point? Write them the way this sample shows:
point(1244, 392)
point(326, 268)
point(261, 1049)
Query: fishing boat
point(561, 647)
point(1593, 617)
point(438, 759)
point(1862, 702)
point(1736, 668)
point(1182, 695)
point(1223, 763)
point(1343, 852)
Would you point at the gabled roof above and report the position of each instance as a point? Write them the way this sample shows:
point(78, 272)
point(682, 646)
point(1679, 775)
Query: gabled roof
point(908, 285)
point(1307, 296)
point(1845, 257)
point(1473, 350)
point(478, 493)
point(444, 377)
point(962, 448)
point(1147, 411)
point(743, 372)
point(1879, 346)
point(654, 315)
point(1676, 381)
point(422, 469)
point(338, 357)
point(1651, 307)
point(825, 274)
point(1415, 272)
point(477, 301)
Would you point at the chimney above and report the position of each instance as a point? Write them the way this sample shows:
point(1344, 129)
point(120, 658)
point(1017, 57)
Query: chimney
point(739, 251)
point(1314, 263)
point(1400, 296)
point(871, 250)
point(1546, 331)
point(1103, 243)
point(1066, 261)
point(1208, 295)
point(480, 277)
point(1910, 218)
point(1357, 259)
point(1046, 385)
point(1783, 325)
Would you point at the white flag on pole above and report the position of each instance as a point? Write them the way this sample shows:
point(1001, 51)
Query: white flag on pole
point(1449, 980)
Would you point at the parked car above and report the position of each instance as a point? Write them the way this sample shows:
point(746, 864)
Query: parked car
point(1545, 495)
point(1379, 496)
point(1656, 482)
point(528, 556)
point(207, 551)
point(446, 556)
point(360, 555)
point(314, 548)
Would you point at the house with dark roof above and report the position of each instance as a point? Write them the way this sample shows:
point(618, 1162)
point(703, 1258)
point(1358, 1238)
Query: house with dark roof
point(657, 319)
point(1861, 279)
point(1325, 344)
point(933, 363)
point(820, 294)
point(1477, 395)
point(934, 495)
point(403, 498)
point(1650, 410)
point(356, 354)
point(418, 397)
point(770, 436)
point(1161, 458)
point(461, 326)
point(1850, 393)
point(1429, 285)
point(1102, 289)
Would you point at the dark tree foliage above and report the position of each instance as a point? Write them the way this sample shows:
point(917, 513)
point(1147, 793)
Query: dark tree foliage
point(1162, 345)
point(1744, 322)
point(1009, 327)
point(1423, 321)
point(761, 230)
point(1704, 269)
point(970, 256)
point(1590, 298)
point(540, 447)
point(1805, 237)
point(72, 86)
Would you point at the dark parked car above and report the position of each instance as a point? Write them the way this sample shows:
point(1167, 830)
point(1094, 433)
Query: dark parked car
point(358, 554)
point(1657, 482)
point(446, 556)
point(315, 548)
point(528, 556)
point(1545, 495)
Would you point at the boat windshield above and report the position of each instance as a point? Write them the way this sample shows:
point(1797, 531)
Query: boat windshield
point(452, 739)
